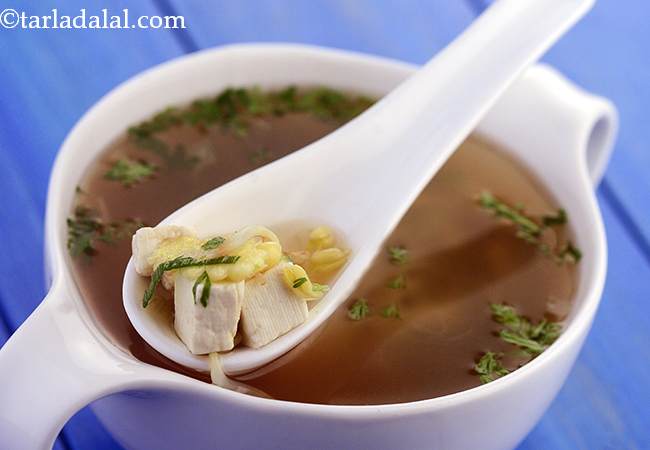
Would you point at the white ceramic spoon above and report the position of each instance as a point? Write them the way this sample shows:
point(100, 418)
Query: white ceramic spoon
point(362, 178)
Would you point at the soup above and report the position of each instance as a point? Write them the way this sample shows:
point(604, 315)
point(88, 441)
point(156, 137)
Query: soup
point(471, 284)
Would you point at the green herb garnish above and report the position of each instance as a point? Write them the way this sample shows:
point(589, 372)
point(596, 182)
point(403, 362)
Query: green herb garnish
point(530, 230)
point(175, 159)
point(398, 255)
point(299, 282)
point(82, 231)
point(180, 263)
point(234, 108)
point(116, 231)
point(570, 254)
point(519, 331)
point(399, 282)
point(359, 309)
point(202, 280)
point(329, 104)
point(489, 367)
point(85, 228)
point(506, 315)
point(391, 312)
point(160, 122)
point(527, 228)
point(129, 172)
point(559, 218)
point(528, 345)
point(213, 243)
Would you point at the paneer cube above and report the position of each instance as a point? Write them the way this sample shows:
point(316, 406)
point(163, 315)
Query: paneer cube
point(270, 308)
point(210, 328)
point(146, 241)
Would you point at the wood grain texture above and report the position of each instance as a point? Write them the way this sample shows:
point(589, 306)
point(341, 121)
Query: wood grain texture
point(51, 77)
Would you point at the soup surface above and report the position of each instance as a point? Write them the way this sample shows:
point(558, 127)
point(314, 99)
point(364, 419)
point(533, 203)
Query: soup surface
point(458, 296)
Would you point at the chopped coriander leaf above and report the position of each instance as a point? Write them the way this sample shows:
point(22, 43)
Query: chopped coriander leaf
point(151, 144)
point(202, 112)
point(519, 331)
point(299, 282)
point(85, 228)
point(286, 100)
point(330, 104)
point(129, 172)
point(234, 108)
point(506, 315)
point(176, 159)
point(399, 282)
point(391, 312)
point(115, 231)
point(489, 367)
point(160, 122)
point(202, 280)
point(570, 254)
point(560, 218)
point(520, 340)
point(259, 102)
point(180, 263)
point(359, 309)
point(526, 226)
point(531, 231)
point(213, 243)
point(398, 255)
point(546, 332)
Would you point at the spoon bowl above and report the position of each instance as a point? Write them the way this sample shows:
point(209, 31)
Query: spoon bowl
point(363, 177)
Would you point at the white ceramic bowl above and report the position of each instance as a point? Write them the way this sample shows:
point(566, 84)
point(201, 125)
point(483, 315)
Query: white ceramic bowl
point(60, 360)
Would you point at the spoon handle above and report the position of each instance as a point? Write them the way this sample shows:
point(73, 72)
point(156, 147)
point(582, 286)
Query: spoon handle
point(407, 136)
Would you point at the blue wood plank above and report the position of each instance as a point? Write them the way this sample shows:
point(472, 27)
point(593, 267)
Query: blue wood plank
point(50, 78)
point(84, 431)
point(411, 30)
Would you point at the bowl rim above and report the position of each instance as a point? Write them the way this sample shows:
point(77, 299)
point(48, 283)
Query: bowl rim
point(164, 379)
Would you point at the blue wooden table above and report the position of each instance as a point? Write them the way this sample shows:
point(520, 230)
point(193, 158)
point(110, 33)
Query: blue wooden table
point(48, 78)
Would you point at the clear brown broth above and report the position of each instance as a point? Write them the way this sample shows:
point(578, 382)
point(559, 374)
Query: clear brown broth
point(461, 259)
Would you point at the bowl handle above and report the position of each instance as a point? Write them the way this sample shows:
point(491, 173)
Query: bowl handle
point(562, 115)
point(51, 367)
